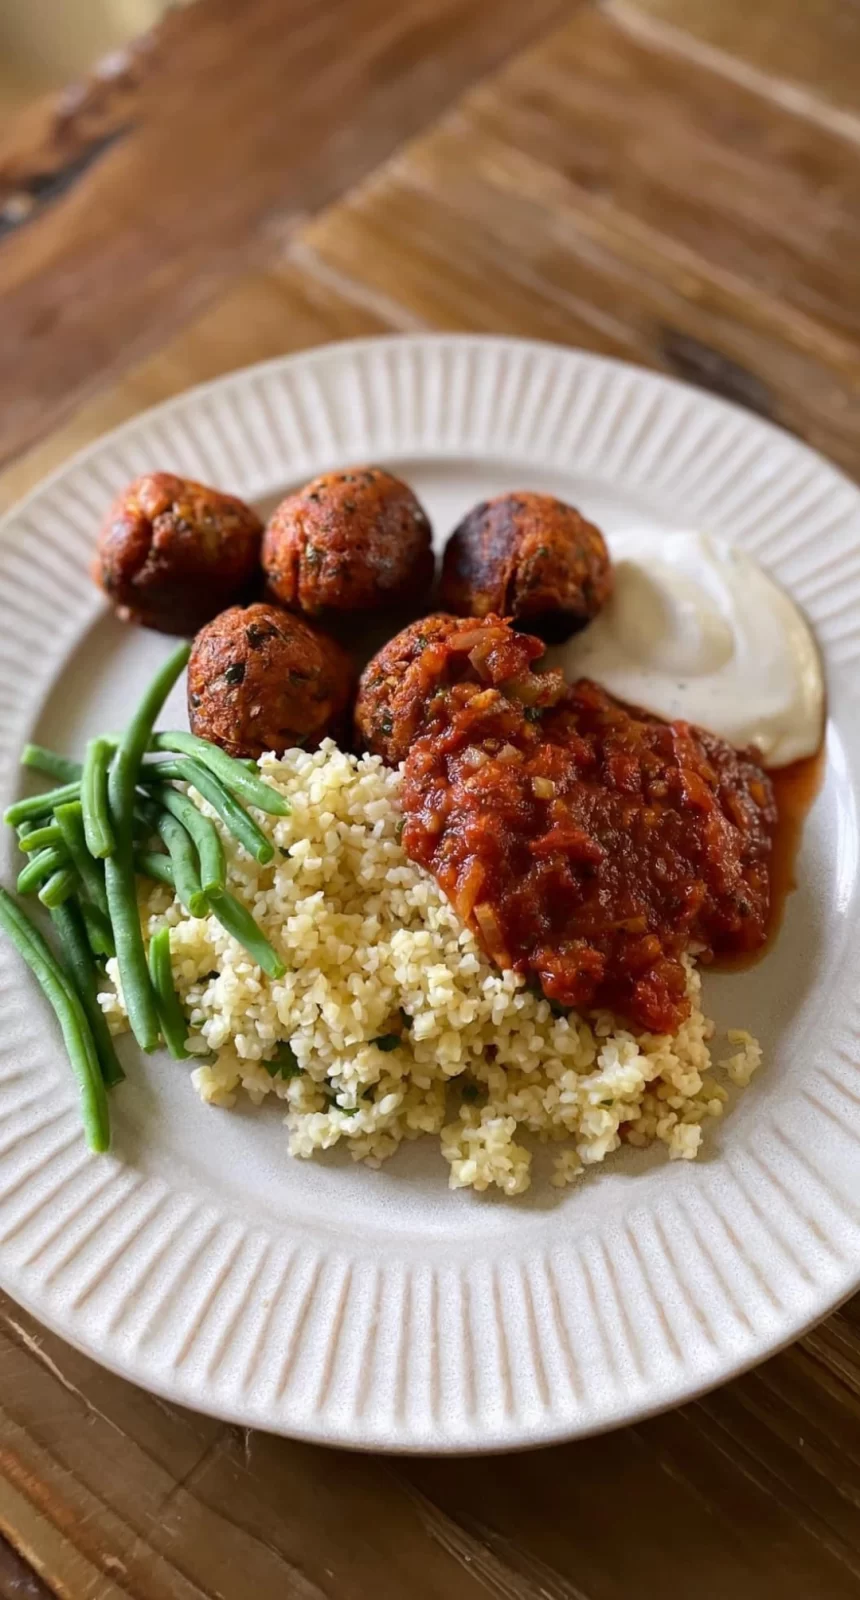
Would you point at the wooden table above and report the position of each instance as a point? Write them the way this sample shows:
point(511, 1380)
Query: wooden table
point(676, 182)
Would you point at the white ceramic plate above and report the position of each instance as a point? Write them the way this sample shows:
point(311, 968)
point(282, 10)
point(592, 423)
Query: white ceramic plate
point(377, 1308)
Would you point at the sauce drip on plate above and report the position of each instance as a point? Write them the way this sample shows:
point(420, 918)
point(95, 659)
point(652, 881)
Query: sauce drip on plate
point(795, 789)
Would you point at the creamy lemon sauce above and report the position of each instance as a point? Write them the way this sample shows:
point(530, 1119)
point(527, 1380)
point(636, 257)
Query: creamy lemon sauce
point(695, 629)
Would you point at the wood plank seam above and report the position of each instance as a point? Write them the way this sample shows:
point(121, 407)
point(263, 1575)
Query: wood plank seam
point(781, 91)
point(94, 281)
point(747, 1459)
point(300, 252)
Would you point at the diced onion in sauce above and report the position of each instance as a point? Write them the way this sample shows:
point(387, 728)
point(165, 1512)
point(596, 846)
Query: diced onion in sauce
point(474, 757)
point(543, 788)
point(469, 889)
point(491, 934)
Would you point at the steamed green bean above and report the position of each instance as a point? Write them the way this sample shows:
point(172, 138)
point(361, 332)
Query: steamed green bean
point(119, 871)
point(239, 923)
point(99, 930)
point(232, 813)
point(68, 921)
point(248, 785)
point(40, 866)
point(77, 1034)
point(70, 821)
point(48, 761)
point(213, 867)
point(59, 887)
point(98, 827)
point(38, 838)
point(156, 864)
point(174, 1025)
point(182, 852)
point(40, 805)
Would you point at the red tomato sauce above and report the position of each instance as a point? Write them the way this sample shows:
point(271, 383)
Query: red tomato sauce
point(588, 844)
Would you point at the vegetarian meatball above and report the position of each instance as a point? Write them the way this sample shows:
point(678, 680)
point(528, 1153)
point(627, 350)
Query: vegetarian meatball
point(396, 691)
point(389, 704)
point(529, 557)
point(172, 553)
point(260, 679)
point(349, 541)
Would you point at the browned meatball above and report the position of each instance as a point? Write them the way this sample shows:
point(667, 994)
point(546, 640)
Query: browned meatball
point(445, 661)
point(391, 690)
point(356, 540)
point(172, 553)
point(529, 557)
point(260, 679)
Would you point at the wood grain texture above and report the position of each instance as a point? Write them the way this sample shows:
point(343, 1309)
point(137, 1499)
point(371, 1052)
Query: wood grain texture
point(266, 313)
point(599, 192)
point(128, 204)
point(802, 53)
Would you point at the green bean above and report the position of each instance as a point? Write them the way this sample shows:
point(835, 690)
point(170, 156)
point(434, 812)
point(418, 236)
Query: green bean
point(99, 930)
point(239, 923)
point(144, 820)
point(70, 1015)
point(173, 1022)
point(157, 760)
point(68, 921)
point(183, 855)
point(137, 736)
point(40, 866)
point(98, 828)
point(186, 869)
point(58, 887)
point(40, 805)
point(231, 914)
point(128, 940)
point(153, 864)
point(119, 871)
point(232, 813)
point(248, 785)
point(213, 867)
point(38, 838)
point(40, 759)
point(70, 821)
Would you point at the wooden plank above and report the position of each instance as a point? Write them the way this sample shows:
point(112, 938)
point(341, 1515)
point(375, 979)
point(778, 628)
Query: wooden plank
point(754, 197)
point(753, 1491)
point(131, 202)
point(600, 193)
point(804, 54)
point(265, 314)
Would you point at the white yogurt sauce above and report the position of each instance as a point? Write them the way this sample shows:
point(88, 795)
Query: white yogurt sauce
point(696, 630)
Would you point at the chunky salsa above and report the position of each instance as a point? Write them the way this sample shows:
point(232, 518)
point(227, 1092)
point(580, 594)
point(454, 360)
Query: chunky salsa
point(589, 844)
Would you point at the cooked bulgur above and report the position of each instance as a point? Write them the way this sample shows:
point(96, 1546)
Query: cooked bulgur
point(390, 1022)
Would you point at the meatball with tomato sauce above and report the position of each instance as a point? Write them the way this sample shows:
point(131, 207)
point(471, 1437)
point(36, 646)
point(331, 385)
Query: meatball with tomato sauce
point(260, 679)
point(389, 704)
point(531, 558)
point(400, 687)
point(172, 553)
point(349, 541)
